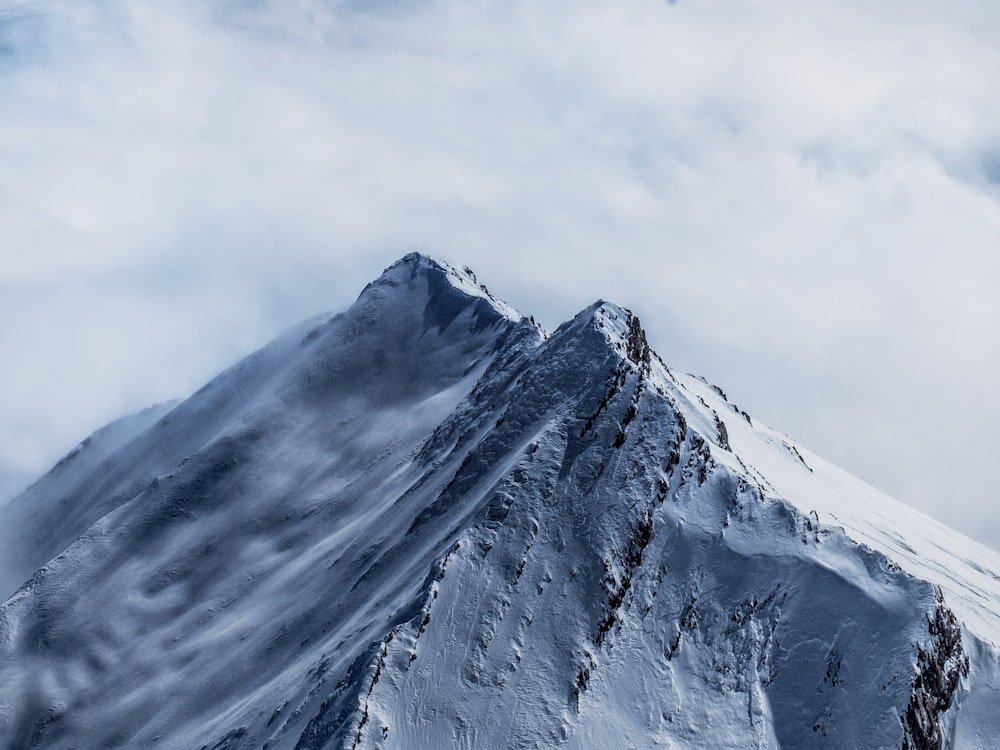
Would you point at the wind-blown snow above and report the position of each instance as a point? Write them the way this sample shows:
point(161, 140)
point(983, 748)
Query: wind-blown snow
point(424, 523)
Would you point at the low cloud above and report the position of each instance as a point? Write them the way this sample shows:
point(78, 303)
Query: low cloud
point(801, 203)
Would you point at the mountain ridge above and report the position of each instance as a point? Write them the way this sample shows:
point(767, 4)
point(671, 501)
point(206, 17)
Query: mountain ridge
point(402, 495)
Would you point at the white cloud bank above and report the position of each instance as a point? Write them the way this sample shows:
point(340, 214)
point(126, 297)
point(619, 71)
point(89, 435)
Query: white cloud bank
point(801, 200)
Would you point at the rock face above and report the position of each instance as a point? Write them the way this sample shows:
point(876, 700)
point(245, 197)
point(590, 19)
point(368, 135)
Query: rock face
point(426, 523)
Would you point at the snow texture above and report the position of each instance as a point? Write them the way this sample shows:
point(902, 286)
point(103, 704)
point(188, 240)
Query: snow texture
point(425, 523)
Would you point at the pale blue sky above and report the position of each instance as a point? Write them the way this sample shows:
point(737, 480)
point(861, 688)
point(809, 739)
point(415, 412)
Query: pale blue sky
point(801, 200)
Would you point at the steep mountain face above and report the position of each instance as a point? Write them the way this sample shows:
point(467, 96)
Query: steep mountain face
point(425, 523)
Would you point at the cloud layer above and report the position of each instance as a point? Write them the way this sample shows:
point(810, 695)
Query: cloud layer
point(802, 203)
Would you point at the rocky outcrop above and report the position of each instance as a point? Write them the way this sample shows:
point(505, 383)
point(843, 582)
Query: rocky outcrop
point(941, 665)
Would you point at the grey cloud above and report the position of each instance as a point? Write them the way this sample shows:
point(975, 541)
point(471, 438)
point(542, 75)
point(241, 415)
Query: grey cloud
point(990, 162)
point(792, 200)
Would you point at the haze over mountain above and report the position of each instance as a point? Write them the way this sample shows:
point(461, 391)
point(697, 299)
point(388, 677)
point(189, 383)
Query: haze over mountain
point(427, 523)
point(799, 199)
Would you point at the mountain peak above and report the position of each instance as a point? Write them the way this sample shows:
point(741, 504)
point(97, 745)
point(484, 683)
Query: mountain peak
point(453, 287)
point(413, 262)
point(618, 325)
point(625, 332)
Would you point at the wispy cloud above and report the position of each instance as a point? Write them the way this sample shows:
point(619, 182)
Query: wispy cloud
point(801, 202)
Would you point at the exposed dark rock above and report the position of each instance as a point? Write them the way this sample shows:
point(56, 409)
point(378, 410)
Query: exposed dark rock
point(941, 665)
point(617, 590)
point(637, 347)
point(723, 433)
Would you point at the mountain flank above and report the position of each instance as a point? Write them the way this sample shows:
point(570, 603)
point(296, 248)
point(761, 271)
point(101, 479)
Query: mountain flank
point(427, 523)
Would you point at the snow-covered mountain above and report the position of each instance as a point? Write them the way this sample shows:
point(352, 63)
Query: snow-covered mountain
point(426, 523)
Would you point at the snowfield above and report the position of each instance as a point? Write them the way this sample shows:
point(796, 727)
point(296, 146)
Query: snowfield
point(427, 523)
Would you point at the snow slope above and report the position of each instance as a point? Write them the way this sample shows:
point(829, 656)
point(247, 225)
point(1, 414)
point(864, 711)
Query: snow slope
point(425, 523)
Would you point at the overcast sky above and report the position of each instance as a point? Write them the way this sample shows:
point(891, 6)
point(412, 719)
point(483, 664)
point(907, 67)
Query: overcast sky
point(800, 200)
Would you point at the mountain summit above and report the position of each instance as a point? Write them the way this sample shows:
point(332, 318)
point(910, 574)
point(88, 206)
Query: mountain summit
point(427, 523)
